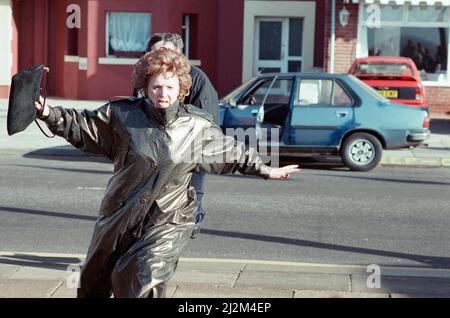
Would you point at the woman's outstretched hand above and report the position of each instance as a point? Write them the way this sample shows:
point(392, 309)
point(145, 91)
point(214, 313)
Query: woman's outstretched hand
point(42, 110)
point(283, 173)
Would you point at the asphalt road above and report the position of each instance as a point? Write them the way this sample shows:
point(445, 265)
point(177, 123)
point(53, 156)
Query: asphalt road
point(389, 216)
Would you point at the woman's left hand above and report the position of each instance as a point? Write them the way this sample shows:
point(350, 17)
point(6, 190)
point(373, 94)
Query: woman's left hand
point(42, 110)
point(283, 172)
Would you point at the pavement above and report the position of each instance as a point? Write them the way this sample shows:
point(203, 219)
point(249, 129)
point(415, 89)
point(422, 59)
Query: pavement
point(47, 275)
point(50, 275)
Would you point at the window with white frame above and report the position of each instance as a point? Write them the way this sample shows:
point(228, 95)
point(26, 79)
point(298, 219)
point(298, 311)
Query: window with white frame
point(419, 32)
point(190, 34)
point(186, 30)
point(127, 33)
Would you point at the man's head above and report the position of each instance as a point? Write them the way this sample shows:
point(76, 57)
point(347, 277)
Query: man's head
point(171, 41)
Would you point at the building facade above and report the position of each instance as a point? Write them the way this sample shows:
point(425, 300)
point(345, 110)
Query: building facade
point(91, 45)
point(415, 29)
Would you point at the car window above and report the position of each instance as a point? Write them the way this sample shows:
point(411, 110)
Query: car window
point(340, 97)
point(237, 90)
point(370, 90)
point(256, 94)
point(383, 68)
point(314, 92)
point(321, 92)
point(279, 92)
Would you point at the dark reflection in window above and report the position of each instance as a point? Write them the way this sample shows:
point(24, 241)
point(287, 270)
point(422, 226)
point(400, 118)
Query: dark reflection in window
point(269, 40)
point(427, 47)
point(295, 37)
point(294, 66)
point(263, 70)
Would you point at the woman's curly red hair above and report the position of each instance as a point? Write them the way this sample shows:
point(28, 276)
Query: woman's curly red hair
point(157, 62)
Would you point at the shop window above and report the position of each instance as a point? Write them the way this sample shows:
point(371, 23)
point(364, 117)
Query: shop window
point(417, 32)
point(428, 14)
point(127, 33)
point(427, 47)
point(392, 13)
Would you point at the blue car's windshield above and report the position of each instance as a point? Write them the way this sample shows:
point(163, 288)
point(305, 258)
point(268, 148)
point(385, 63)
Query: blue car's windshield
point(371, 91)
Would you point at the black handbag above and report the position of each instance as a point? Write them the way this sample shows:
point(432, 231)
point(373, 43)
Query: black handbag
point(25, 90)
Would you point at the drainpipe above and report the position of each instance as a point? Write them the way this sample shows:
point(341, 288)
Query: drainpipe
point(332, 35)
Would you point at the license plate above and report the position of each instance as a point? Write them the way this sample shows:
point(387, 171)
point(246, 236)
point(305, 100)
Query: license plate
point(389, 93)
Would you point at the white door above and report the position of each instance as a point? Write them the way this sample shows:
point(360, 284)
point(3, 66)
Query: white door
point(278, 45)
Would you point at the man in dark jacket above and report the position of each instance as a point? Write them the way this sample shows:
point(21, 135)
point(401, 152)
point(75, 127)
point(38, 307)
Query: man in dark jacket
point(202, 95)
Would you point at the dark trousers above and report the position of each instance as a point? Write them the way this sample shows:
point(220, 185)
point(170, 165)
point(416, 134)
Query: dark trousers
point(198, 182)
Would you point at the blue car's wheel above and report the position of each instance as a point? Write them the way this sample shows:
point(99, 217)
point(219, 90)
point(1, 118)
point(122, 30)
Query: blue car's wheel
point(361, 151)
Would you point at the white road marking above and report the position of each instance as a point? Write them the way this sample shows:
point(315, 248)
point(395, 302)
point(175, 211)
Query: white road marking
point(386, 270)
point(90, 188)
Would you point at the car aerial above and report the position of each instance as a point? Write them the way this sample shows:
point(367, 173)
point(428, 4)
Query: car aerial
point(394, 77)
point(324, 114)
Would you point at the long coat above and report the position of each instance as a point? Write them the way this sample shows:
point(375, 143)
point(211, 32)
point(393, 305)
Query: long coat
point(154, 152)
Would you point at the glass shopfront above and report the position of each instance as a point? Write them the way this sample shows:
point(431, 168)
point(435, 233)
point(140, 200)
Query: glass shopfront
point(418, 32)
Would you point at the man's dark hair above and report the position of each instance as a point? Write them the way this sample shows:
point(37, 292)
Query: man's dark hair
point(173, 38)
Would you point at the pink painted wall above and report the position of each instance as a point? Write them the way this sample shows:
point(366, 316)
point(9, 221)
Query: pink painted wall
point(42, 37)
point(4, 89)
point(229, 45)
point(218, 44)
point(104, 81)
point(29, 30)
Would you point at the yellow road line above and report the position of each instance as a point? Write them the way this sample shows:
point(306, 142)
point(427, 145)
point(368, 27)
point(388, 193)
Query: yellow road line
point(244, 261)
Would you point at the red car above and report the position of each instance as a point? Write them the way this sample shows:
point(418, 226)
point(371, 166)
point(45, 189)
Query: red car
point(396, 78)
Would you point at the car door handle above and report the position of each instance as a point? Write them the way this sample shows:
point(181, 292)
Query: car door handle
point(255, 112)
point(341, 113)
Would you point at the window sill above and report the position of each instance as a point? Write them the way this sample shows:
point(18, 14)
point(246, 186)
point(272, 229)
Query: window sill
point(131, 61)
point(71, 58)
point(126, 54)
point(435, 84)
point(117, 61)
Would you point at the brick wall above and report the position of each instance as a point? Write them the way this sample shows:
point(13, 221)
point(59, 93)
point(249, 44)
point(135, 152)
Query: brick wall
point(438, 99)
point(345, 38)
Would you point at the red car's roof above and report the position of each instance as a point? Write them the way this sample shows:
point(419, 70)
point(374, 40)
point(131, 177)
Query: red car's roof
point(385, 59)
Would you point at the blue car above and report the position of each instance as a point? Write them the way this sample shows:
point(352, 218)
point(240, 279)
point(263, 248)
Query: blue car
point(322, 113)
